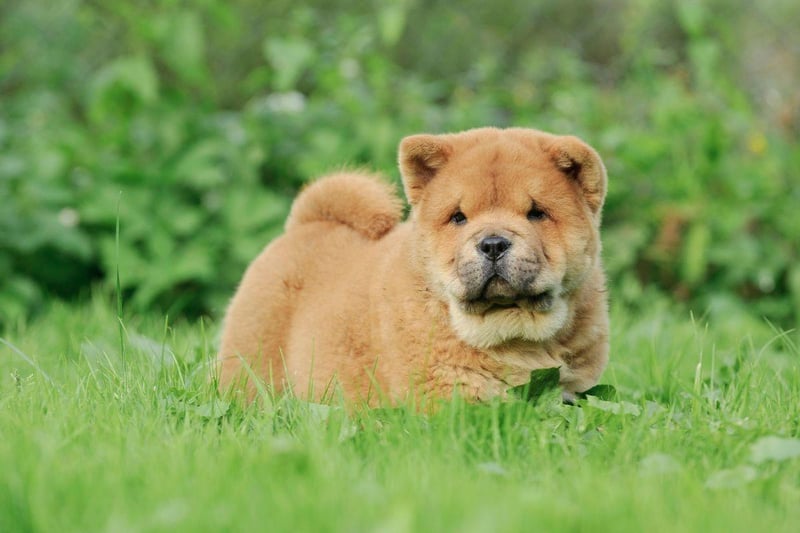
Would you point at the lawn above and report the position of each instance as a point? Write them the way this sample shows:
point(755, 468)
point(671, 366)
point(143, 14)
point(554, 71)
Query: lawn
point(103, 431)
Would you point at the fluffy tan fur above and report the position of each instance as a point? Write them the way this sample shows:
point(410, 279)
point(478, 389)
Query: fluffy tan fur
point(354, 299)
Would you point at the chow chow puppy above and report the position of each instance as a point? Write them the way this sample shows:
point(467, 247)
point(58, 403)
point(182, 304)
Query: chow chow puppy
point(496, 272)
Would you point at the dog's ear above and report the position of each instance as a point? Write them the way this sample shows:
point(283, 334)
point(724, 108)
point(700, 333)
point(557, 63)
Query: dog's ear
point(582, 164)
point(420, 158)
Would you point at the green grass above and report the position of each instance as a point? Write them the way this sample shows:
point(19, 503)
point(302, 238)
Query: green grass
point(88, 446)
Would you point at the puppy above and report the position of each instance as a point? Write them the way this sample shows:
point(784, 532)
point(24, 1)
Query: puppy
point(496, 272)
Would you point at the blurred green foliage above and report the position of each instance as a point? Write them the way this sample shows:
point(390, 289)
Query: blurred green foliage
point(196, 122)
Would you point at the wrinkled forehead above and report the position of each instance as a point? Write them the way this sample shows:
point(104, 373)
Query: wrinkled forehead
point(498, 174)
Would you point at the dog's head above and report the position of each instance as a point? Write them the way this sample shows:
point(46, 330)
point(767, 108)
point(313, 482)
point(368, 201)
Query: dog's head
point(506, 226)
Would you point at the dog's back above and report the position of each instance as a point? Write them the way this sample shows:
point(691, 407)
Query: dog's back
point(333, 220)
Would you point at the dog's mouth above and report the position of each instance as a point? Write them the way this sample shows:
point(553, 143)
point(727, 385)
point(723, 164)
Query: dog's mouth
point(498, 295)
point(540, 303)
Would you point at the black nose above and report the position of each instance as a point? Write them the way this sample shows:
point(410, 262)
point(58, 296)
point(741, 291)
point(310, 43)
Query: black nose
point(494, 247)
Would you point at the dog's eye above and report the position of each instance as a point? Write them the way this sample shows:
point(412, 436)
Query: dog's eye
point(458, 218)
point(536, 213)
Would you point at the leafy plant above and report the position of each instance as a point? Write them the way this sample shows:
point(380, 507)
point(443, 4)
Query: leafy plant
point(203, 120)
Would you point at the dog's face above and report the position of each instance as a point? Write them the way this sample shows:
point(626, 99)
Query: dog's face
point(506, 227)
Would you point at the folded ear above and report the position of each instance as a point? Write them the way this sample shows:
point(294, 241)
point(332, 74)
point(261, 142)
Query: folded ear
point(420, 158)
point(581, 163)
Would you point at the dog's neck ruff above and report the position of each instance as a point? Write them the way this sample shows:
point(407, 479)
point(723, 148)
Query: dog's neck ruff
point(499, 326)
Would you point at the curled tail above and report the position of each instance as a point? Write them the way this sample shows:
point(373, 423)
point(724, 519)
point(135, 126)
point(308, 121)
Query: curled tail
point(363, 202)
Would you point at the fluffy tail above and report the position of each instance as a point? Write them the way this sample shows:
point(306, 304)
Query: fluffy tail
point(363, 202)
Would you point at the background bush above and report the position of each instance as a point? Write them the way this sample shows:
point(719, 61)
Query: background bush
point(194, 124)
